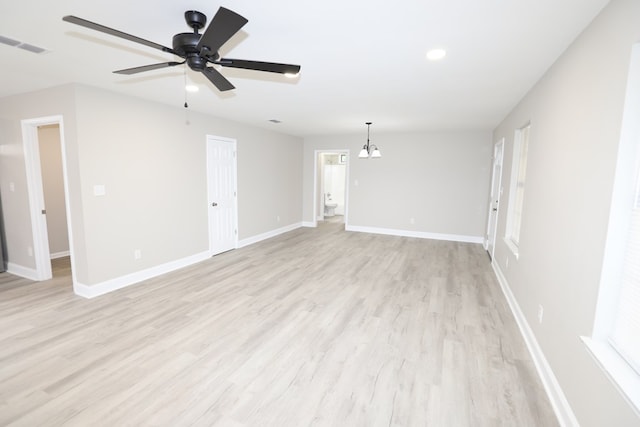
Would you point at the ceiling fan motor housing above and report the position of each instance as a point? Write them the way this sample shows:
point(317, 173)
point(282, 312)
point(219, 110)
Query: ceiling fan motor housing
point(196, 20)
point(185, 44)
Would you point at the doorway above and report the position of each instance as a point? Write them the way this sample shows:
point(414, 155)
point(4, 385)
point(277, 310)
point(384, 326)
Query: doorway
point(222, 194)
point(50, 163)
point(494, 197)
point(331, 170)
point(53, 190)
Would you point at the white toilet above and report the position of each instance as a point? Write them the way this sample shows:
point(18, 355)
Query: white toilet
point(329, 205)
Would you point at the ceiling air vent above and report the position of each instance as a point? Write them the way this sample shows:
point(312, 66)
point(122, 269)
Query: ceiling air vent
point(25, 46)
point(8, 41)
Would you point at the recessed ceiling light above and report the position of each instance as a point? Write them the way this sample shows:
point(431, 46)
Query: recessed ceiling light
point(191, 88)
point(436, 54)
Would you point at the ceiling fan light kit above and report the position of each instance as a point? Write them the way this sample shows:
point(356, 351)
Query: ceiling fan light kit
point(197, 50)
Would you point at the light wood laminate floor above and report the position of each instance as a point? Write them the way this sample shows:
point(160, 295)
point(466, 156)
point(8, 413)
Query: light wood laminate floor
point(316, 327)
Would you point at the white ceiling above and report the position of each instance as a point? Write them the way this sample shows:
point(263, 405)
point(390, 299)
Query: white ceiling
point(362, 60)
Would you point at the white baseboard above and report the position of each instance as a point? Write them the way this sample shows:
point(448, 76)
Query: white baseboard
point(559, 402)
point(57, 255)
point(418, 234)
point(309, 224)
point(269, 234)
point(25, 272)
point(107, 286)
point(92, 291)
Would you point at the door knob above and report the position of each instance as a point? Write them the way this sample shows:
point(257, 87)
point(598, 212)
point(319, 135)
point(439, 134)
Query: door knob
point(214, 204)
point(495, 209)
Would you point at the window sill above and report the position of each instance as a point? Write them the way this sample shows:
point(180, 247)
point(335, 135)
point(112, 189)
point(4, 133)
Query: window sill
point(621, 374)
point(512, 247)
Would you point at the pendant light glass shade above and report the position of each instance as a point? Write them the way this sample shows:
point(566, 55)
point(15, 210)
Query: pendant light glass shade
point(367, 148)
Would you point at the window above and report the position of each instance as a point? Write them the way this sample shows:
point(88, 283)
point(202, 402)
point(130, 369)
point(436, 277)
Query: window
point(615, 342)
point(625, 334)
point(516, 196)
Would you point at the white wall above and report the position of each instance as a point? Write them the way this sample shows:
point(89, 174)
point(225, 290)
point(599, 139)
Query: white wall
point(153, 166)
point(575, 113)
point(440, 180)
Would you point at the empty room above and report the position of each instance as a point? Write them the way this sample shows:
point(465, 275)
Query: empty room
point(327, 213)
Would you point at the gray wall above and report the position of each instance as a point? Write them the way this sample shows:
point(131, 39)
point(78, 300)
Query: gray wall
point(13, 109)
point(441, 180)
point(575, 112)
point(152, 163)
point(53, 188)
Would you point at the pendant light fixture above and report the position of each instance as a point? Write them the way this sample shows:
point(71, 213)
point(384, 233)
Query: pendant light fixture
point(369, 150)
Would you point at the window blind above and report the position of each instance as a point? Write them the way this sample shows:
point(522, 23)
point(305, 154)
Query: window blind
point(625, 336)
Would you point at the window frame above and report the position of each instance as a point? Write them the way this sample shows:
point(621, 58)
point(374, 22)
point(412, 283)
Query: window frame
point(517, 186)
point(627, 177)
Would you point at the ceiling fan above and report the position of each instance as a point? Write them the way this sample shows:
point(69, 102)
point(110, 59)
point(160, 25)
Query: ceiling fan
point(197, 49)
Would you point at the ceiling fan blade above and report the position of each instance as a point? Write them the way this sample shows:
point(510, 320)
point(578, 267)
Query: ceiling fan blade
point(143, 68)
point(271, 67)
point(217, 79)
point(111, 31)
point(222, 27)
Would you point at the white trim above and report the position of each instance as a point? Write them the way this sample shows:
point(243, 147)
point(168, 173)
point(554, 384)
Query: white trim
point(617, 370)
point(111, 285)
point(20, 271)
point(62, 254)
point(309, 224)
point(36, 197)
point(558, 400)
point(419, 234)
point(512, 247)
point(269, 234)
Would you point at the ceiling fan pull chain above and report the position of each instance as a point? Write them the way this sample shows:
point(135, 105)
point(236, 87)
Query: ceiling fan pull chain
point(185, 88)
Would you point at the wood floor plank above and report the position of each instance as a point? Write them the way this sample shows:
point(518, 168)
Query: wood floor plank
point(315, 327)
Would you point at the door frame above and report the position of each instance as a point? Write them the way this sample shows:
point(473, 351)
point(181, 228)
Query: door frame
point(234, 144)
point(492, 217)
point(41, 251)
point(316, 184)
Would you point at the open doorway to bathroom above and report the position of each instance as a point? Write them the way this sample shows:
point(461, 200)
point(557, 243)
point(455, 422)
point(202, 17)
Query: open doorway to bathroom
point(331, 190)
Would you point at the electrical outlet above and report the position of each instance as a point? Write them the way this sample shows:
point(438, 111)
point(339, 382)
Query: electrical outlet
point(278, 218)
point(412, 220)
point(137, 254)
point(30, 251)
point(540, 313)
point(506, 263)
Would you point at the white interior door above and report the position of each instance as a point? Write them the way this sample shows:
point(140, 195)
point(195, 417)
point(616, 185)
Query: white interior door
point(222, 194)
point(494, 197)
